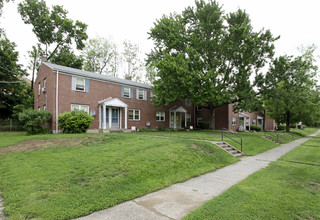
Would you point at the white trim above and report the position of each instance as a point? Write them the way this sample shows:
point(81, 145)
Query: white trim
point(134, 113)
point(160, 116)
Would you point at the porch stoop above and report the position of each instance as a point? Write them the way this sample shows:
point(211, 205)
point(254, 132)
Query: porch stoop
point(229, 149)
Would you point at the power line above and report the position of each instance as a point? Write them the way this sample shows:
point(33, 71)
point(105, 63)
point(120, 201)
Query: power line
point(11, 81)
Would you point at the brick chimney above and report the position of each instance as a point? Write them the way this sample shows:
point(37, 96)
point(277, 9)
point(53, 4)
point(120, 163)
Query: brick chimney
point(127, 77)
point(44, 59)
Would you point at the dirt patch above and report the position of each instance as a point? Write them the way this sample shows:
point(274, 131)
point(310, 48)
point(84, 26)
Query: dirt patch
point(315, 185)
point(30, 145)
point(196, 147)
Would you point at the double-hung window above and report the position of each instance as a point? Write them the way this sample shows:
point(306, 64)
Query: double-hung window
point(80, 83)
point(141, 94)
point(160, 116)
point(254, 122)
point(134, 114)
point(39, 89)
point(76, 107)
point(126, 92)
point(234, 121)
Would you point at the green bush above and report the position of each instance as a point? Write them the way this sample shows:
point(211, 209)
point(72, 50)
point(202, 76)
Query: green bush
point(35, 121)
point(204, 125)
point(75, 121)
point(281, 127)
point(254, 128)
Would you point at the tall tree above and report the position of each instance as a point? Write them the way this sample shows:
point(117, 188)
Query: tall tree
point(52, 27)
point(65, 56)
point(13, 90)
point(131, 58)
point(289, 89)
point(207, 57)
point(100, 55)
point(35, 61)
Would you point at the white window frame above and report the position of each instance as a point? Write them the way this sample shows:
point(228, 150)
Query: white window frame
point(45, 83)
point(160, 116)
point(39, 88)
point(45, 107)
point(128, 92)
point(254, 122)
point(84, 83)
point(142, 92)
point(77, 107)
point(134, 115)
point(234, 121)
point(198, 121)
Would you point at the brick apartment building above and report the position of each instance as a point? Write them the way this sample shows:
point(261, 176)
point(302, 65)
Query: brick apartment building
point(122, 104)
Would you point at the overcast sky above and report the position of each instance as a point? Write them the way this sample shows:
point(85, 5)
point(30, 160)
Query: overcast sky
point(297, 22)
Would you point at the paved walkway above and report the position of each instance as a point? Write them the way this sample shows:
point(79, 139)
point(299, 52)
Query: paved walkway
point(179, 199)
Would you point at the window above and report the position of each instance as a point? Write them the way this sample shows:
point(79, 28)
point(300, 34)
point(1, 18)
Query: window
point(80, 83)
point(254, 122)
point(141, 94)
point(199, 109)
point(45, 107)
point(160, 116)
point(39, 89)
point(45, 83)
point(234, 121)
point(187, 102)
point(188, 119)
point(126, 91)
point(134, 114)
point(199, 121)
point(76, 107)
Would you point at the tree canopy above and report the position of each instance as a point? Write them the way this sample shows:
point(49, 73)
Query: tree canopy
point(13, 90)
point(101, 56)
point(290, 91)
point(207, 56)
point(52, 27)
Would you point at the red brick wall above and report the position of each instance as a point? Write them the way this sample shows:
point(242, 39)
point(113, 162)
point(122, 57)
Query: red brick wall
point(98, 90)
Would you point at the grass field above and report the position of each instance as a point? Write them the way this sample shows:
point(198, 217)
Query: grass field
point(68, 180)
point(287, 189)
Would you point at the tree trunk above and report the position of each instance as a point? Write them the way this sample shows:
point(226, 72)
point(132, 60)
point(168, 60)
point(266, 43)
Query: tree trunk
point(288, 121)
point(212, 118)
point(264, 127)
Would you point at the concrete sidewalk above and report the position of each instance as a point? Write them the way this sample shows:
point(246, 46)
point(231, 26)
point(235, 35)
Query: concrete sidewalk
point(179, 199)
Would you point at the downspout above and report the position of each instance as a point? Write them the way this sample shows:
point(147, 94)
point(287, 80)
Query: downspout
point(229, 117)
point(57, 99)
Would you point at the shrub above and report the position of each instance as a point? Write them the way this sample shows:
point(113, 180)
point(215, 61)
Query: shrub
point(254, 128)
point(75, 121)
point(281, 127)
point(145, 130)
point(35, 121)
point(160, 128)
point(204, 125)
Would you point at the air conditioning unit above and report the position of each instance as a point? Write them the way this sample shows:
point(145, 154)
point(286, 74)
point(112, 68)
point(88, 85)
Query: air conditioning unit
point(44, 89)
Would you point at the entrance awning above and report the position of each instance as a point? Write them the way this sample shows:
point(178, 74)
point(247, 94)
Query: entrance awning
point(242, 115)
point(109, 103)
point(259, 117)
point(114, 102)
point(178, 109)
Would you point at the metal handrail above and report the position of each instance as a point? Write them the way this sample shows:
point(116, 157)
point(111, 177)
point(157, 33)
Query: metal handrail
point(226, 130)
point(271, 134)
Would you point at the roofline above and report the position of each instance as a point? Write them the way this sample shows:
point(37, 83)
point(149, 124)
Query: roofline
point(71, 71)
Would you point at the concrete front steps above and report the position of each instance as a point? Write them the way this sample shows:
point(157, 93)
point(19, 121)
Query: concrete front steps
point(229, 149)
point(270, 139)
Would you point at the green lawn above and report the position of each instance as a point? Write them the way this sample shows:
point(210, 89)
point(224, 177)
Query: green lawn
point(64, 182)
point(287, 189)
point(253, 143)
